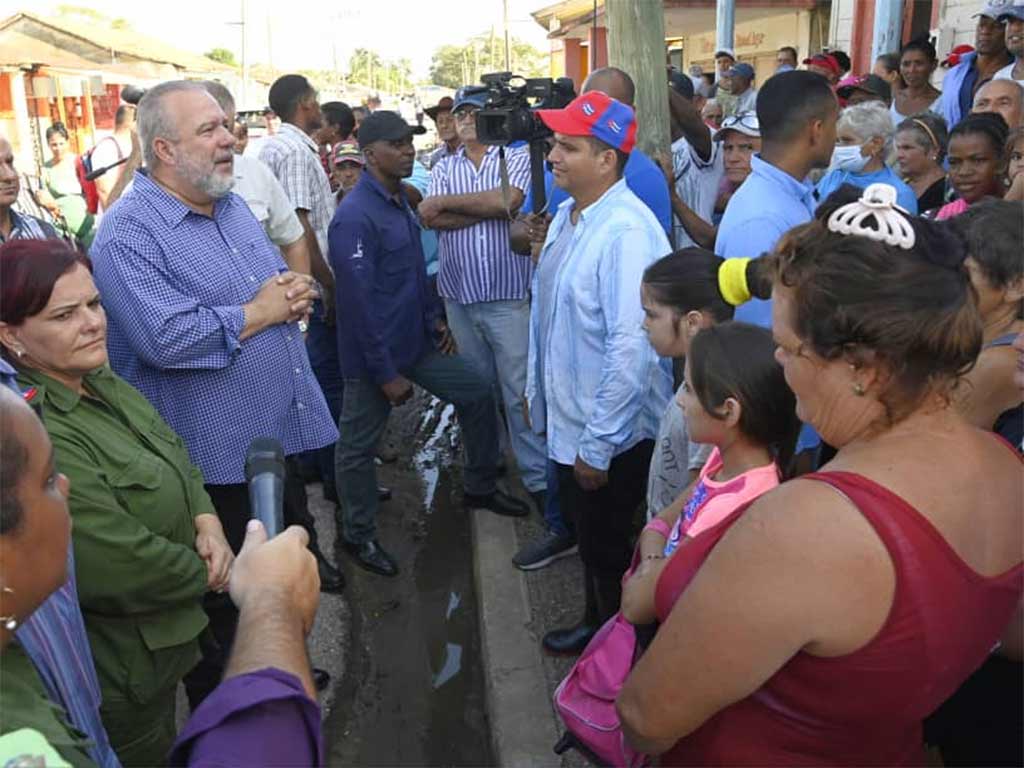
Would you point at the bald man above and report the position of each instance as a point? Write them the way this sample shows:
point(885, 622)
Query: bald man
point(1004, 97)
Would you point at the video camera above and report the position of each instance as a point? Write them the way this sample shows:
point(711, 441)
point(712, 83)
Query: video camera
point(509, 116)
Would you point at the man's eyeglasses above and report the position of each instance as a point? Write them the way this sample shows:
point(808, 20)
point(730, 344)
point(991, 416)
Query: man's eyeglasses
point(465, 115)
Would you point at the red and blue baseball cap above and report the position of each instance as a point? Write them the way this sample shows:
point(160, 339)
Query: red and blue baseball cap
point(595, 114)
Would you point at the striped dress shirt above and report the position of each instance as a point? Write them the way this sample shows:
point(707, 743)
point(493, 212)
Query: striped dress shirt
point(477, 262)
point(294, 159)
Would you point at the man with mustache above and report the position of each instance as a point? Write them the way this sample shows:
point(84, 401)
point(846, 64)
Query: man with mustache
point(203, 314)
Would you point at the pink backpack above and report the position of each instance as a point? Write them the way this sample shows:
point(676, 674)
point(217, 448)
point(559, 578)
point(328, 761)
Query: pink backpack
point(585, 699)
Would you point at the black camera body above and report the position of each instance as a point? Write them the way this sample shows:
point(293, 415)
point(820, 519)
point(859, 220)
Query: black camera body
point(509, 114)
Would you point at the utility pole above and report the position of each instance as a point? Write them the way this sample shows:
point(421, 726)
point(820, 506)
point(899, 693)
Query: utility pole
point(636, 44)
point(508, 44)
point(725, 25)
point(887, 27)
point(243, 102)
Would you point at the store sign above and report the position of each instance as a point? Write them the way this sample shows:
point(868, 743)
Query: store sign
point(743, 40)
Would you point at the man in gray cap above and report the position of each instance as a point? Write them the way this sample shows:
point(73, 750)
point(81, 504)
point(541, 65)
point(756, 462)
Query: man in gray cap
point(976, 68)
point(741, 88)
point(390, 334)
point(1012, 17)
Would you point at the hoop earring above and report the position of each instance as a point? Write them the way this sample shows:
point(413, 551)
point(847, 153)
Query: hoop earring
point(858, 390)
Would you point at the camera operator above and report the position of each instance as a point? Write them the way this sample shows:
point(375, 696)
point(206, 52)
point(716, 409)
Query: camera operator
point(642, 175)
point(484, 284)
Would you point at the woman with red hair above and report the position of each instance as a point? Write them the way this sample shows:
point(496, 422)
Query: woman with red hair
point(147, 542)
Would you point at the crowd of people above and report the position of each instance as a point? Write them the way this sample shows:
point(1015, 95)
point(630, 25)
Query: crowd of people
point(796, 340)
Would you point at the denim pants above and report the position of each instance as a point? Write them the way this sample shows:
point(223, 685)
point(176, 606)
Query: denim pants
point(494, 336)
point(556, 523)
point(322, 347)
point(364, 416)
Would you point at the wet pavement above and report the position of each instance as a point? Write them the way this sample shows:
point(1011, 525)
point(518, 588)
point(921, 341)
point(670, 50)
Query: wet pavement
point(413, 688)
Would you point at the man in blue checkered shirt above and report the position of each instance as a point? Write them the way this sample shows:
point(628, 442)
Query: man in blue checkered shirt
point(203, 313)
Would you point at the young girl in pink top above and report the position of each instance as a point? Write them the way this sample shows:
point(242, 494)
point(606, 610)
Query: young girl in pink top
point(735, 398)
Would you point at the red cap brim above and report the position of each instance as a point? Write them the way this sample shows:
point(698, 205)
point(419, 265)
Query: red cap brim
point(561, 121)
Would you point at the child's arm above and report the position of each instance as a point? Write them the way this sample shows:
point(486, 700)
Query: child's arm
point(653, 543)
point(638, 592)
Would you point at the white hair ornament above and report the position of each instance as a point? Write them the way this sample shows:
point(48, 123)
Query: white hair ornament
point(877, 202)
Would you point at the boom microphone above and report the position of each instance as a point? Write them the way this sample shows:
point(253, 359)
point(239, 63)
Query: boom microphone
point(96, 173)
point(264, 469)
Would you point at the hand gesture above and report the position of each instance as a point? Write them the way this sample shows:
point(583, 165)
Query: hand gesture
point(398, 390)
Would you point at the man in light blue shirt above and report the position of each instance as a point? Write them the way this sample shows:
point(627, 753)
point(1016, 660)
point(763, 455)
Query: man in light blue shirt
point(797, 112)
point(594, 384)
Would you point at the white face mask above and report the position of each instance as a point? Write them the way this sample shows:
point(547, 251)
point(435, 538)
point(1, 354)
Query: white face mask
point(848, 159)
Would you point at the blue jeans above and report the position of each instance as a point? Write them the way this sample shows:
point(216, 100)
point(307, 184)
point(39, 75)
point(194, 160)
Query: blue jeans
point(552, 510)
point(494, 336)
point(322, 348)
point(364, 415)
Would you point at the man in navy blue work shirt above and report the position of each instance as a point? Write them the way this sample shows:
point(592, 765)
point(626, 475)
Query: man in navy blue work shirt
point(976, 68)
point(388, 328)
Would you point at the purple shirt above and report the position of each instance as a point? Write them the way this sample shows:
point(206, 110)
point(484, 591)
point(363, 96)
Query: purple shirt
point(259, 718)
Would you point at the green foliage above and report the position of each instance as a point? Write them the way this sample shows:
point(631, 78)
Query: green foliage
point(223, 55)
point(367, 68)
point(456, 65)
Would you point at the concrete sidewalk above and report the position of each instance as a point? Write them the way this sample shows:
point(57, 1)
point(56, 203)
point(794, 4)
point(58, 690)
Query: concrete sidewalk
point(516, 609)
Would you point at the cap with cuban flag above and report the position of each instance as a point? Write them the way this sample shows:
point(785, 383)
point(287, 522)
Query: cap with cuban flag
point(595, 114)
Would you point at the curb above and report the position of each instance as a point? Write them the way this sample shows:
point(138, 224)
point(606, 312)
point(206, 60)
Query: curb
point(519, 711)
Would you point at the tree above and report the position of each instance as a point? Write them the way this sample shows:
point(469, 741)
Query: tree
point(223, 55)
point(456, 65)
point(366, 67)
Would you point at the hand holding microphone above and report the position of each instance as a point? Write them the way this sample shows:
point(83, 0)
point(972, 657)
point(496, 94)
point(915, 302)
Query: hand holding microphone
point(264, 469)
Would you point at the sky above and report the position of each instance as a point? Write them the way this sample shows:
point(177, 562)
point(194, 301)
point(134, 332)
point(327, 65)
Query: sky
point(308, 34)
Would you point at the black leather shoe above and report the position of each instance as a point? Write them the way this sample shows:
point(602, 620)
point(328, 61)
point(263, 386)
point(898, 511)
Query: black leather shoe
point(569, 641)
point(499, 503)
point(383, 494)
point(321, 678)
point(331, 579)
point(371, 557)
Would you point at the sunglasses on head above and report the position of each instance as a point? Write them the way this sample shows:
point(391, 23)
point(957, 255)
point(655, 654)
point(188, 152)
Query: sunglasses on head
point(746, 120)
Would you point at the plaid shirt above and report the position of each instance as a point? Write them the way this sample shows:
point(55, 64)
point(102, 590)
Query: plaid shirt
point(477, 262)
point(173, 284)
point(294, 159)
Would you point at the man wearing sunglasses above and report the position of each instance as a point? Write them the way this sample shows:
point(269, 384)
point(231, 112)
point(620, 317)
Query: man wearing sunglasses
point(736, 142)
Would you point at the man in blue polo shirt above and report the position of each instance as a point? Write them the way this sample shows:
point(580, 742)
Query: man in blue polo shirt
point(388, 328)
point(797, 112)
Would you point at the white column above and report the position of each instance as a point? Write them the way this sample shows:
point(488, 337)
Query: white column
point(888, 27)
point(725, 23)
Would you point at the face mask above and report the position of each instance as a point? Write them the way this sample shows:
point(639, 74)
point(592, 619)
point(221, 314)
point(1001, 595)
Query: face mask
point(848, 159)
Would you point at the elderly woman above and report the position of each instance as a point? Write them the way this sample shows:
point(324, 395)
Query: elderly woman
point(863, 136)
point(823, 622)
point(147, 542)
point(994, 231)
point(920, 149)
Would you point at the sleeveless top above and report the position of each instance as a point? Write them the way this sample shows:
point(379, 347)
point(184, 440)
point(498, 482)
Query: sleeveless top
point(1010, 424)
point(866, 707)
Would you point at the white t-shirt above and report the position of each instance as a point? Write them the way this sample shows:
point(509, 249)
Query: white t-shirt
point(673, 458)
point(1006, 73)
point(267, 200)
point(697, 183)
point(109, 150)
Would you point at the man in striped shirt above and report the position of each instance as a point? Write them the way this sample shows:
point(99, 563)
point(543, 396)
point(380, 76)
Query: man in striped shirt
point(484, 284)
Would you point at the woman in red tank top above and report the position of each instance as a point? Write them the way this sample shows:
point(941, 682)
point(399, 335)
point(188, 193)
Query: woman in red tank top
point(822, 623)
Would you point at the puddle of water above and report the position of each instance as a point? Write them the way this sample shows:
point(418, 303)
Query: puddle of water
point(452, 664)
point(426, 458)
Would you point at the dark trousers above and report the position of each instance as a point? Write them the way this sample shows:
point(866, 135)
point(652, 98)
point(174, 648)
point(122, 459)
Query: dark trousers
point(232, 505)
point(322, 347)
point(603, 521)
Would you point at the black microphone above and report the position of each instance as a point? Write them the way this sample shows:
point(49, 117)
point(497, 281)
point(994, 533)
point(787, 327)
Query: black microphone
point(264, 469)
point(96, 173)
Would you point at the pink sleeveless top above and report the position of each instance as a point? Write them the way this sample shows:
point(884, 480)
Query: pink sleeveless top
point(864, 708)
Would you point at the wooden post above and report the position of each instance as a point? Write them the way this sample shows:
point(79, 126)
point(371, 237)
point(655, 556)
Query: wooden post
point(636, 44)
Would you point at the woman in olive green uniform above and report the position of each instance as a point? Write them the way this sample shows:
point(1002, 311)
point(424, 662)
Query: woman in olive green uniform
point(146, 539)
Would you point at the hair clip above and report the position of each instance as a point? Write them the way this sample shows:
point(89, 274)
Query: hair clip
point(877, 202)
